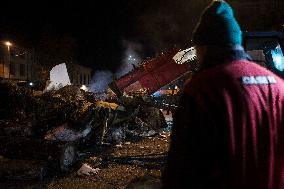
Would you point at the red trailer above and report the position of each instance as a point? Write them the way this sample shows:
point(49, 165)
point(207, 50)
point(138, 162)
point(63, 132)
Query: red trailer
point(152, 74)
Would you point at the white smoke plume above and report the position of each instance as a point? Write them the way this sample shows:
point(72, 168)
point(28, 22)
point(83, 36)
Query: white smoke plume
point(100, 82)
point(131, 57)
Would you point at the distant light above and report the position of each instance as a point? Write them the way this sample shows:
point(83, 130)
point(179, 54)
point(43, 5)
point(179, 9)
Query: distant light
point(8, 43)
point(31, 83)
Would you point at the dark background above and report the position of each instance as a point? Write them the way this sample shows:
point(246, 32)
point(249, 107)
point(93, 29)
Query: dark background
point(98, 33)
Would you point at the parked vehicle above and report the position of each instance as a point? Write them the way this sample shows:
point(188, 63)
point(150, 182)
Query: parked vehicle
point(266, 48)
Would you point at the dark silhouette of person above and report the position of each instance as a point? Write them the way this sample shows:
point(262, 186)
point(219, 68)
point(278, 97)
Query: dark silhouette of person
point(228, 129)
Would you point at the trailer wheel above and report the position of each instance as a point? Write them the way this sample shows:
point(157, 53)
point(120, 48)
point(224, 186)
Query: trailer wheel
point(68, 156)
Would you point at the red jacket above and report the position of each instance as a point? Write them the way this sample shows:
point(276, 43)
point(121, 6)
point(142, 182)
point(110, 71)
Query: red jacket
point(229, 130)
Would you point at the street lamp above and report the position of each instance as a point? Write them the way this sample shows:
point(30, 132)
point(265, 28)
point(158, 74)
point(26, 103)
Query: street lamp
point(8, 44)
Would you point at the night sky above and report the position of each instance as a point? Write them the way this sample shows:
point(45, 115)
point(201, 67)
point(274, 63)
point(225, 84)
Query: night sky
point(97, 28)
point(104, 31)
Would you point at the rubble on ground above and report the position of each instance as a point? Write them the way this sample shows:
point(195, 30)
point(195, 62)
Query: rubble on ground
point(54, 125)
point(87, 170)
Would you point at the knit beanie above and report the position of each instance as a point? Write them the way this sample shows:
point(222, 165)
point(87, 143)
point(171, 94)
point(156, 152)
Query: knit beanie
point(217, 26)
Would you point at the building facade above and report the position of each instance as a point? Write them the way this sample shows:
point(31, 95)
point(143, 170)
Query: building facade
point(79, 75)
point(16, 63)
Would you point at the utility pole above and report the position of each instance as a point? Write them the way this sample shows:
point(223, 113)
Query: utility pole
point(8, 44)
point(3, 64)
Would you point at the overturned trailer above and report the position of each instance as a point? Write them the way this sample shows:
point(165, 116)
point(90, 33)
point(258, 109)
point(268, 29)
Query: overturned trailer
point(153, 74)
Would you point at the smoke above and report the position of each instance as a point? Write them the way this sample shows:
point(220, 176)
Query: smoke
point(100, 81)
point(131, 57)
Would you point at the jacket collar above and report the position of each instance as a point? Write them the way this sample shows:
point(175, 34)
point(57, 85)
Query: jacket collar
point(223, 54)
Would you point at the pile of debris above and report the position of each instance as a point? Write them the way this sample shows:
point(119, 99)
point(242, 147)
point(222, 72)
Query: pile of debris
point(54, 125)
point(69, 104)
point(16, 102)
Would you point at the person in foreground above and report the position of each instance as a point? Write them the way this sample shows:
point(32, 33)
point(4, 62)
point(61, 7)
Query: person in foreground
point(228, 129)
